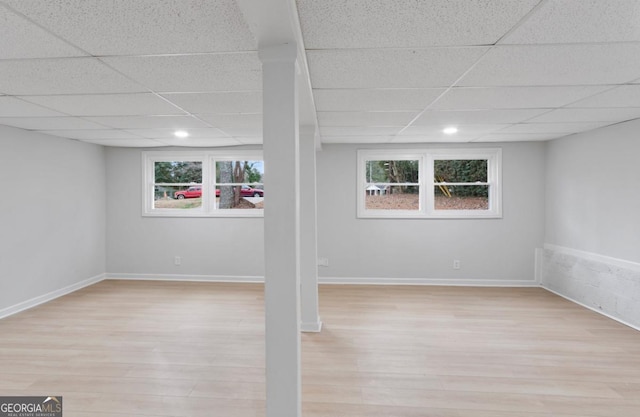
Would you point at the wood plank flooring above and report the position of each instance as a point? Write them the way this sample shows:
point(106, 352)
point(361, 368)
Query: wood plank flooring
point(127, 348)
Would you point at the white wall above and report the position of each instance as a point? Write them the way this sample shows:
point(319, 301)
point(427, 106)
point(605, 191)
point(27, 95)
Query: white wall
point(52, 214)
point(137, 245)
point(593, 192)
point(496, 250)
point(592, 243)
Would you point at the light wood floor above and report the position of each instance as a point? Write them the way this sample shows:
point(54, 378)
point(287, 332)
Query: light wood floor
point(196, 350)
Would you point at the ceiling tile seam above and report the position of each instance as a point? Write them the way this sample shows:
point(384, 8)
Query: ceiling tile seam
point(590, 96)
point(535, 9)
point(155, 93)
point(471, 67)
point(130, 55)
point(50, 32)
point(24, 98)
point(84, 118)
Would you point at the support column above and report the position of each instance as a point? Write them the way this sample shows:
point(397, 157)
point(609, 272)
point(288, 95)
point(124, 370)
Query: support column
point(281, 229)
point(308, 233)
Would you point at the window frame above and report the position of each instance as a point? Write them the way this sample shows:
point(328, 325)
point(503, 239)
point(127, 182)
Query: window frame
point(209, 183)
point(427, 184)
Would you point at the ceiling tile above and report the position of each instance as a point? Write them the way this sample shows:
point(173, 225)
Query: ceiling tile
point(470, 130)
point(547, 65)
point(359, 131)
point(623, 96)
point(14, 107)
point(220, 102)
point(327, 118)
point(24, 39)
point(471, 98)
point(125, 27)
point(107, 104)
point(389, 68)
point(518, 137)
point(62, 76)
point(193, 73)
point(200, 142)
point(149, 122)
point(455, 118)
point(552, 127)
point(49, 123)
point(243, 131)
point(433, 138)
point(570, 21)
point(250, 140)
point(92, 134)
point(406, 99)
point(357, 139)
point(233, 120)
point(127, 143)
point(587, 115)
point(199, 133)
point(391, 23)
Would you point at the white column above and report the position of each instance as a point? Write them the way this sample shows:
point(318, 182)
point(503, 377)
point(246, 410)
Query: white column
point(281, 230)
point(308, 232)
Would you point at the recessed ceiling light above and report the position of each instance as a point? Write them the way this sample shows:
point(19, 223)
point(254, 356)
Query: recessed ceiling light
point(450, 130)
point(181, 134)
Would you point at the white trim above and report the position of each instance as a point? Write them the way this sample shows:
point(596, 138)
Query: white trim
point(41, 299)
point(311, 327)
point(186, 278)
point(634, 266)
point(426, 184)
point(332, 280)
point(591, 308)
point(208, 159)
point(452, 282)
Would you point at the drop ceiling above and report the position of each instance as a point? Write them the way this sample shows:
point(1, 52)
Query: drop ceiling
point(130, 73)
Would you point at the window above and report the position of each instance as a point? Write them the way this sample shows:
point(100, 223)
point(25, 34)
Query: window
point(436, 183)
point(203, 184)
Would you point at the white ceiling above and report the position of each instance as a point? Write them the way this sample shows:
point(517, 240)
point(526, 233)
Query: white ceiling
point(129, 73)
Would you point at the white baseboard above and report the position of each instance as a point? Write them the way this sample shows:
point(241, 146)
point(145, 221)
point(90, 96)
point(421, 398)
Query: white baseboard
point(186, 278)
point(332, 280)
point(591, 308)
point(311, 327)
point(25, 305)
point(429, 281)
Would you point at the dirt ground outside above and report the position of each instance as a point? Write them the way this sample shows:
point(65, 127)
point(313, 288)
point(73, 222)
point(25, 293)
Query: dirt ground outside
point(411, 202)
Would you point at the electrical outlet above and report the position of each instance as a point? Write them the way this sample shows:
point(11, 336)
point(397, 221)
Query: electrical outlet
point(456, 264)
point(177, 260)
point(323, 261)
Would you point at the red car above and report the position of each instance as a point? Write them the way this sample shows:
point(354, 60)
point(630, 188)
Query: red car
point(195, 192)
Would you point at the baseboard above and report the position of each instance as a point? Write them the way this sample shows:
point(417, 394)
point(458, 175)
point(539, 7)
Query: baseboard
point(591, 308)
point(25, 305)
point(332, 280)
point(311, 327)
point(429, 281)
point(186, 278)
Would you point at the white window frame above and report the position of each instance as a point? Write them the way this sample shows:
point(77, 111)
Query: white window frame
point(427, 185)
point(208, 159)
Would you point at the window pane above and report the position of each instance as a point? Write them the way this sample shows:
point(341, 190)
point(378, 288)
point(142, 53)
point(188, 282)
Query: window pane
point(239, 197)
point(178, 197)
point(392, 197)
point(392, 171)
point(462, 197)
point(178, 172)
point(469, 170)
point(249, 172)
